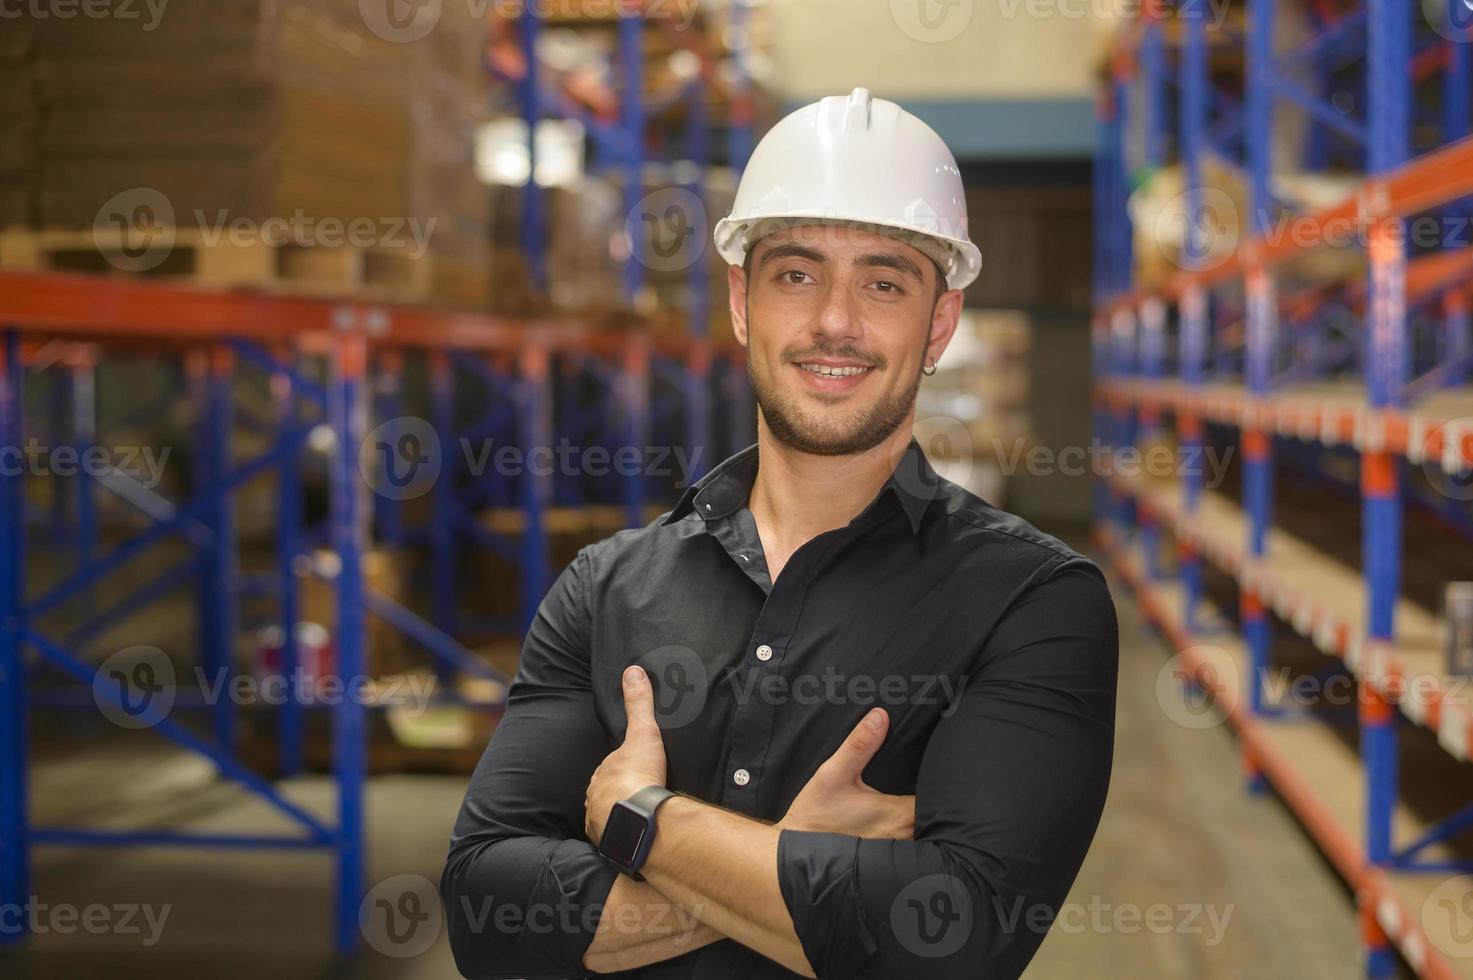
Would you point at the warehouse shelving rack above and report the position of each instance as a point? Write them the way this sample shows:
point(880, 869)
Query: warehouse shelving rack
point(335, 366)
point(324, 359)
point(1253, 351)
point(619, 135)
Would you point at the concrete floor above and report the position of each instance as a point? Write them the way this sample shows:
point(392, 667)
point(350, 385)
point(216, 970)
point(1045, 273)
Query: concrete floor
point(1239, 890)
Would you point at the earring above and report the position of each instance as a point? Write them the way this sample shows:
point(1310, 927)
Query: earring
point(930, 368)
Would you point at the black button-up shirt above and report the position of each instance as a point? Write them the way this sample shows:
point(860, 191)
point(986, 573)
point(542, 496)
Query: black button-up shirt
point(992, 645)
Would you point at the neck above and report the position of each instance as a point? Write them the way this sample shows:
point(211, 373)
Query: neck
point(799, 496)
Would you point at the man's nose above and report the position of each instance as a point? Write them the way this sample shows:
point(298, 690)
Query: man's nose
point(837, 318)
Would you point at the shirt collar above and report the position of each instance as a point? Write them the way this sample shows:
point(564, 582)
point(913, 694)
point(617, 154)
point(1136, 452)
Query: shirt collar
point(728, 486)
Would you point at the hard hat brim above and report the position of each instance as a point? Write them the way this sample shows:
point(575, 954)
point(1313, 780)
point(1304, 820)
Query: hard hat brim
point(959, 259)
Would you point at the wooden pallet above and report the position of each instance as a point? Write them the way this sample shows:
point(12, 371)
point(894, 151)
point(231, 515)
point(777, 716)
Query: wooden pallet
point(380, 272)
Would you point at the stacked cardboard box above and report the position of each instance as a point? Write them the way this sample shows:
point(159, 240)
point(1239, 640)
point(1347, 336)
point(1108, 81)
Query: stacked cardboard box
point(386, 651)
point(584, 275)
point(450, 103)
point(587, 241)
point(258, 109)
point(972, 415)
point(20, 125)
point(672, 283)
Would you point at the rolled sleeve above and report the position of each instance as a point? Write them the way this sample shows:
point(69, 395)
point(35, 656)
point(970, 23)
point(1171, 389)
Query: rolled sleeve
point(1008, 798)
point(522, 887)
point(816, 873)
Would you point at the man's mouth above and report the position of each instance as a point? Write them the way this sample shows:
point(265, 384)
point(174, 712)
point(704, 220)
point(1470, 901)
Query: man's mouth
point(834, 370)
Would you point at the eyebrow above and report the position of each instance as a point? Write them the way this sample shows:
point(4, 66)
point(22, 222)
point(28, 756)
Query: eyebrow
point(791, 250)
point(882, 260)
point(887, 260)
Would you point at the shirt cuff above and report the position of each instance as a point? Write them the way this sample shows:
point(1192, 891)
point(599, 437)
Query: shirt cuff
point(818, 875)
point(564, 907)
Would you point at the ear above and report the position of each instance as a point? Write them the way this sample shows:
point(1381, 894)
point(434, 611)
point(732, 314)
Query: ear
point(736, 286)
point(944, 320)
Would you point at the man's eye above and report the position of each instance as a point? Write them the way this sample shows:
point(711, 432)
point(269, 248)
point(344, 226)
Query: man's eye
point(886, 286)
point(794, 277)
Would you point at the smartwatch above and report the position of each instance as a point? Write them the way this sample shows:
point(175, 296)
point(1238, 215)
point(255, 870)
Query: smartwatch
point(631, 829)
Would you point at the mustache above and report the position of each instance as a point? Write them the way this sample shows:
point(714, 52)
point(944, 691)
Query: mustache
point(847, 353)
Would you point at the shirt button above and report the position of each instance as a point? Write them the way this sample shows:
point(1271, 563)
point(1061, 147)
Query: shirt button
point(764, 652)
point(741, 777)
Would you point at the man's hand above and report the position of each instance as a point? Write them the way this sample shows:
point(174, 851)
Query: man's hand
point(836, 800)
point(637, 763)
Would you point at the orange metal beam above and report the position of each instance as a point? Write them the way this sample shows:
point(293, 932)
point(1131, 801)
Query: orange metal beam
point(131, 311)
point(1428, 181)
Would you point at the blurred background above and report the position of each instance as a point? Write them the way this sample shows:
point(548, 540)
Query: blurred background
point(331, 329)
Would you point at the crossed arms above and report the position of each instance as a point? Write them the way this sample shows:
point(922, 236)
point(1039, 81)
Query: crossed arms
point(1007, 799)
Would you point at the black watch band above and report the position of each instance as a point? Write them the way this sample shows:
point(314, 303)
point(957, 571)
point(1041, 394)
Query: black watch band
point(651, 797)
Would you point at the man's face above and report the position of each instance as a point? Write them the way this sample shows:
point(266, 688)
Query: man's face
point(838, 324)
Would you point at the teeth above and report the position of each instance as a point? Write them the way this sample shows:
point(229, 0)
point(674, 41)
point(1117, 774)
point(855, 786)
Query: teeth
point(833, 372)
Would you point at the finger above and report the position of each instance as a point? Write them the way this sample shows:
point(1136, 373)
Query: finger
point(639, 705)
point(860, 746)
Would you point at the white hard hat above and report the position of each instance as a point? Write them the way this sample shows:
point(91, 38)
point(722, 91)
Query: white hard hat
point(857, 160)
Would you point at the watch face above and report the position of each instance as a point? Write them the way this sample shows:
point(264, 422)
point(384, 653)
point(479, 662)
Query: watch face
point(623, 834)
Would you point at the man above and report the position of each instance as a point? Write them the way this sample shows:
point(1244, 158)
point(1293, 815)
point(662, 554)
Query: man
point(831, 715)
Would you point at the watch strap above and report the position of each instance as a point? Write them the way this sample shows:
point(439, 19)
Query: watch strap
point(651, 797)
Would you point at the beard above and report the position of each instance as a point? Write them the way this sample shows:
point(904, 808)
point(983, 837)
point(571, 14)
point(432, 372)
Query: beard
point(838, 432)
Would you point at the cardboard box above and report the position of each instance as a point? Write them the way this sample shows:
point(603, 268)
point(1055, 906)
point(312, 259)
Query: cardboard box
point(387, 650)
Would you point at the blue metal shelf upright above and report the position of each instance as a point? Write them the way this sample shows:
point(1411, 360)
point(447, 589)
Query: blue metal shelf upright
point(1256, 342)
point(323, 361)
point(620, 146)
point(345, 369)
